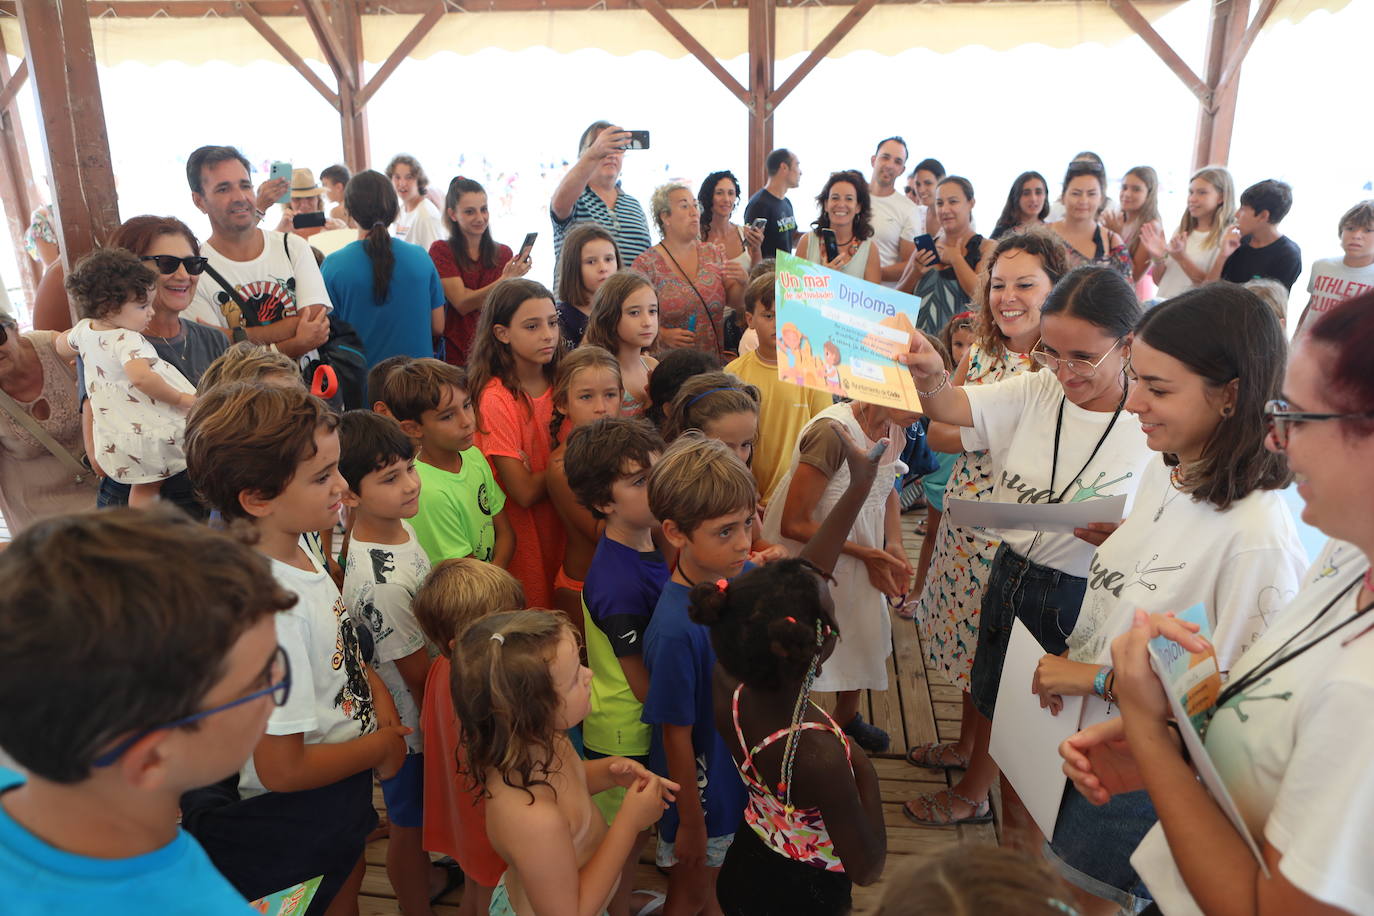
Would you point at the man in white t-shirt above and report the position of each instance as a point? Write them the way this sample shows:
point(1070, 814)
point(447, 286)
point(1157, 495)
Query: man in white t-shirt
point(1335, 280)
point(418, 221)
point(896, 221)
point(287, 302)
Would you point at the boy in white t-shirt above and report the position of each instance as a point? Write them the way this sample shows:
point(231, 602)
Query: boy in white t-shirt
point(1335, 280)
point(303, 805)
point(383, 570)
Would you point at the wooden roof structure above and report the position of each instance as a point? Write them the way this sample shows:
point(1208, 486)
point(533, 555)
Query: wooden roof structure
point(60, 52)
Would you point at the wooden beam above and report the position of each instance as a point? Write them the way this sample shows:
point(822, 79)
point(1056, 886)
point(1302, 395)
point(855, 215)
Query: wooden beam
point(61, 55)
point(199, 9)
point(1141, 26)
point(330, 43)
point(695, 48)
point(288, 53)
point(402, 51)
point(17, 192)
point(762, 52)
point(1212, 145)
point(1236, 56)
point(13, 83)
point(818, 53)
point(352, 114)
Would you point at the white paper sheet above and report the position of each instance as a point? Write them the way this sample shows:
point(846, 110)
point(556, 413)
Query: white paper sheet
point(969, 513)
point(1025, 738)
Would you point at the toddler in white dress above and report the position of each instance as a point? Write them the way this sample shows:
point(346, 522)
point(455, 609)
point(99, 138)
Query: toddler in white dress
point(139, 401)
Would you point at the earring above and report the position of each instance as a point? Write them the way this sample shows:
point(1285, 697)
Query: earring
point(1226, 412)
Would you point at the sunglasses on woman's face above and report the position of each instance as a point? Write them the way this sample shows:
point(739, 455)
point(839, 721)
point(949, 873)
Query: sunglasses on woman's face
point(168, 264)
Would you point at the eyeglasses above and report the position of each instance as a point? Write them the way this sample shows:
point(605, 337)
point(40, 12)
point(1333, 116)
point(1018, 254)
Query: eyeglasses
point(5, 332)
point(1079, 367)
point(911, 192)
point(280, 691)
point(1282, 418)
point(168, 264)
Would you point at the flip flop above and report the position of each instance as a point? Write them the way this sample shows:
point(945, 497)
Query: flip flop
point(982, 811)
point(654, 904)
point(453, 878)
point(930, 756)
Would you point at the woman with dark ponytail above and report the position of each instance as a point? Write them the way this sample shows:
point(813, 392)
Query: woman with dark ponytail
point(387, 289)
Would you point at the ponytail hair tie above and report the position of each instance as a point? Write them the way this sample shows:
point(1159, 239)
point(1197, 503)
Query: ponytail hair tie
point(721, 584)
point(499, 638)
point(378, 222)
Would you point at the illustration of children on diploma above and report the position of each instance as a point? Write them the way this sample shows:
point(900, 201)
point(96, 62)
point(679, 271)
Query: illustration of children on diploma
point(832, 367)
point(794, 358)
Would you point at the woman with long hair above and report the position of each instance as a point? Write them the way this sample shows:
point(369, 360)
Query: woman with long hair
point(386, 289)
point(1028, 203)
point(943, 270)
point(718, 199)
point(845, 213)
point(1190, 259)
point(1139, 208)
point(469, 263)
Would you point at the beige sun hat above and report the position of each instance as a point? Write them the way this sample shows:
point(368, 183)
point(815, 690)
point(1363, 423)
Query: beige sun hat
point(303, 184)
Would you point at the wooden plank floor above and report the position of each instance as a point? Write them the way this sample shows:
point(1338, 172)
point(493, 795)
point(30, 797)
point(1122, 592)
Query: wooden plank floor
point(918, 706)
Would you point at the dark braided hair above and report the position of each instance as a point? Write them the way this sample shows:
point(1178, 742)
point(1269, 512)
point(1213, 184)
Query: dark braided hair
point(763, 623)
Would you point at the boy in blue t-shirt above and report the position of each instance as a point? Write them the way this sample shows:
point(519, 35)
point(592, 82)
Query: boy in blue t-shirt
point(706, 499)
point(109, 742)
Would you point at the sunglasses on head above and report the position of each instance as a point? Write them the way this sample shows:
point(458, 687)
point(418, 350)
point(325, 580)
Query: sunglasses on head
point(168, 264)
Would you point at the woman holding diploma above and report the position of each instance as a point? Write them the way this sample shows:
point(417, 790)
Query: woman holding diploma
point(1209, 527)
point(1053, 436)
point(1290, 735)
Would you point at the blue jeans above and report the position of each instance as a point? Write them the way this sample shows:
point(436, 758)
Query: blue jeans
point(176, 490)
point(1092, 845)
point(1046, 600)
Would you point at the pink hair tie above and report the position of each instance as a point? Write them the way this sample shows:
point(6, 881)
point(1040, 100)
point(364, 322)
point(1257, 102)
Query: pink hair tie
point(722, 583)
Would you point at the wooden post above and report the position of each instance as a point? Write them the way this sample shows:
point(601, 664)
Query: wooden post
point(61, 56)
point(762, 49)
point(17, 192)
point(352, 111)
point(1225, 33)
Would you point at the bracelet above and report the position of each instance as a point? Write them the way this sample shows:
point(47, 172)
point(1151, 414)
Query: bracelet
point(262, 214)
point(1182, 745)
point(1100, 681)
point(937, 389)
point(1109, 687)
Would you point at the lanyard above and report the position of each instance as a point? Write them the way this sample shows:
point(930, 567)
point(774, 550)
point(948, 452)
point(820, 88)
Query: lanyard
point(1058, 428)
point(1279, 658)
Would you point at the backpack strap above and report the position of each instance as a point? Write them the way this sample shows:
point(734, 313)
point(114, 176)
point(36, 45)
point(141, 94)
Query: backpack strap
point(77, 466)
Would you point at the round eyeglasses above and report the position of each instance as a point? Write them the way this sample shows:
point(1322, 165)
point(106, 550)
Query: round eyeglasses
point(1079, 367)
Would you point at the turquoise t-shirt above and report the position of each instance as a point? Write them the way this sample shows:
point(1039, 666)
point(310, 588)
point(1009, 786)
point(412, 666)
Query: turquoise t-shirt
point(456, 510)
point(37, 879)
point(400, 325)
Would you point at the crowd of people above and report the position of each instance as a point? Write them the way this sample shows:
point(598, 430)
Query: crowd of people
point(563, 567)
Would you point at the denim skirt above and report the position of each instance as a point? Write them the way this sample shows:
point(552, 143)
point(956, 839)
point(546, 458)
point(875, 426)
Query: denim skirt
point(1046, 600)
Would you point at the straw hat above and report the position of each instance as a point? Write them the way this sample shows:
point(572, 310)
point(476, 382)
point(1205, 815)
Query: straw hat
point(303, 184)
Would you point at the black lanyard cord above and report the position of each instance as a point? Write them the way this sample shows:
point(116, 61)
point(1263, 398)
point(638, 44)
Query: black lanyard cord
point(1058, 428)
point(1278, 658)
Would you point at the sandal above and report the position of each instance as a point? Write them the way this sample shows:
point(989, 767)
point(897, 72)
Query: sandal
point(921, 526)
point(907, 609)
point(936, 804)
point(453, 878)
point(653, 905)
point(937, 756)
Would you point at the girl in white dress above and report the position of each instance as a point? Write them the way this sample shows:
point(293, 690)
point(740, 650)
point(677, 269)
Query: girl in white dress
point(139, 401)
point(873, 562)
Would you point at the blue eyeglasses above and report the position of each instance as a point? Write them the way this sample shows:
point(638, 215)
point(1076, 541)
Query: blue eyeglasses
point(279, 692)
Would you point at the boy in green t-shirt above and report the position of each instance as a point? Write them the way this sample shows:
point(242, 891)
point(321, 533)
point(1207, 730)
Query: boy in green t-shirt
point(461, 506)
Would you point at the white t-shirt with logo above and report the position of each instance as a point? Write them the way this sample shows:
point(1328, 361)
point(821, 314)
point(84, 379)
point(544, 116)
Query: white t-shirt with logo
point(1173, 552)
point(330, 700)
point(894, 219)
point(380, 582)
point(1014, 420)
point(1333, 282)
point(274, 285)
point(1295, 748)
point(421, 226)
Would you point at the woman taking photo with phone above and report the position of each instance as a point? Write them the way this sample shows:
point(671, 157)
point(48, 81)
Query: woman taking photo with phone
point(693, 279)
point(1210, 527)
point(943, 270)
point(843, 236)
point(1288, 735)
point(469, 262)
